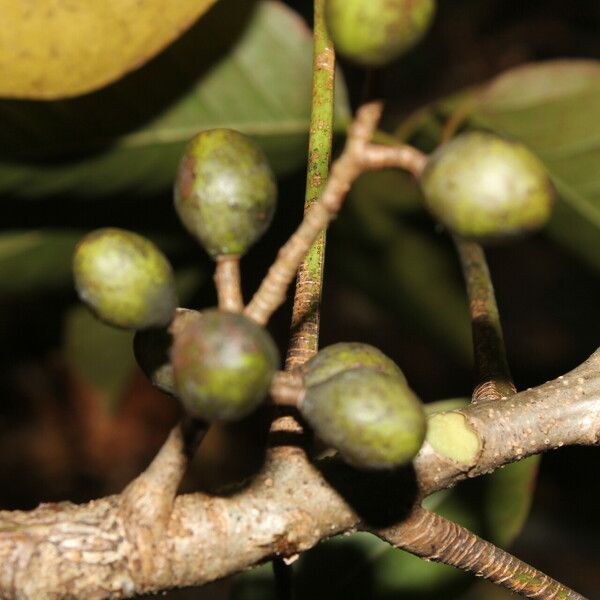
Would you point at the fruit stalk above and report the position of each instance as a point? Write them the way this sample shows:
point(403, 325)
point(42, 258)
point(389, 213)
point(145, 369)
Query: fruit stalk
point(304, 340)
point(494, 381)
point(227, 280)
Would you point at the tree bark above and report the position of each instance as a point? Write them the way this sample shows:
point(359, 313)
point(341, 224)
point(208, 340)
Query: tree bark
point(122, 545)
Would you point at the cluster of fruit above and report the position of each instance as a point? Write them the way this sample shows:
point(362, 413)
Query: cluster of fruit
point(220, 364)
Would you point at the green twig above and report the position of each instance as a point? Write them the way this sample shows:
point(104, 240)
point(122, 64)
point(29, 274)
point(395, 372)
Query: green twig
point(304, 339)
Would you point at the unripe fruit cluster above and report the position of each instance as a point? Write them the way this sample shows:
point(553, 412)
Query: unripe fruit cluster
point(220, 364)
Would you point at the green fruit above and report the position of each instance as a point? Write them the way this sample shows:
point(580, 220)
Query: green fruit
point(357, 400)
point(344, 356)
point(222, 365)
point(484, 187)
point(152, 348)
point(225, 191)
point(375, 32)
point(125, 279)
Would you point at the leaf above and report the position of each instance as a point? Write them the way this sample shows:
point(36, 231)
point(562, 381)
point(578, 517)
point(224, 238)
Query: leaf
point(31, 260)
point(245, 66)
point(53, 49)
point(508, 498)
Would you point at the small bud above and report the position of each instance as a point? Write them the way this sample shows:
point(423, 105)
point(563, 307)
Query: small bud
point(487, 188)
point(222, 365)
point(225, 191)
point(376, 32)
point(124, 279)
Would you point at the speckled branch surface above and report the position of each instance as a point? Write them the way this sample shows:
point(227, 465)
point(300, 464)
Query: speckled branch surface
point(304, 338)
point(118, 546)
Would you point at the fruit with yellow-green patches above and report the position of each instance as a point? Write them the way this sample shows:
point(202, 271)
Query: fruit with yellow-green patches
point(222, 365)
point(358, 401)
point(376, 32)
point(484, 187)
point(124, 279)
point(225, 191)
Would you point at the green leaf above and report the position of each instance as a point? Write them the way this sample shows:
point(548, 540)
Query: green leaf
point(32, 260)
point(244, 65)
point(508, 498)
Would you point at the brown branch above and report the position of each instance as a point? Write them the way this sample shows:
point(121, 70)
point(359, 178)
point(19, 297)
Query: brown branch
point(93, 551)
point(228, 283)
point(400, 156)
point(456, 546)
point(561, 412)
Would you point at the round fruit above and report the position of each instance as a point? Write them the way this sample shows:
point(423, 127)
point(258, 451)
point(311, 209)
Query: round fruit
point(152, 348)
point(225, 191)
point(484, 187)
point(344, 356)
point(357, 400)
point(373, 419)
point(222, 365)
point(125, 279)
point(375, 32)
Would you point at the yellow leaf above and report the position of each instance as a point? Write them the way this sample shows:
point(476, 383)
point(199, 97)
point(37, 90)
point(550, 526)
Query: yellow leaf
point(60, 48)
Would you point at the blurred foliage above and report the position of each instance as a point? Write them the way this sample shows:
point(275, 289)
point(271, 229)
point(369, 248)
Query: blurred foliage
point(35, 259)
point(100, 355)
point(245, 65)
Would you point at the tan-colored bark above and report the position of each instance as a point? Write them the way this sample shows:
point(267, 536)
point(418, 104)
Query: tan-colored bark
point(454, 545)
point(122, 545)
